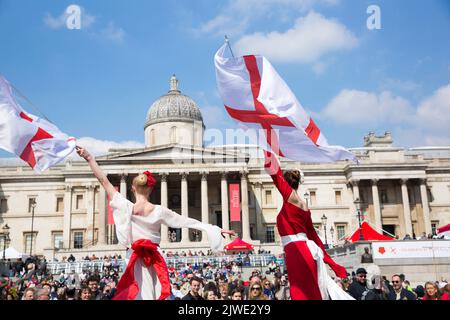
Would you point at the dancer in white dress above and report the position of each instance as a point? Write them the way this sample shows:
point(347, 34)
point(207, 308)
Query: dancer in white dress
point(138, 227)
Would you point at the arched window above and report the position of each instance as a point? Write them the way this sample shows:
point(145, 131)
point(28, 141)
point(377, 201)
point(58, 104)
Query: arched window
point(173, 135)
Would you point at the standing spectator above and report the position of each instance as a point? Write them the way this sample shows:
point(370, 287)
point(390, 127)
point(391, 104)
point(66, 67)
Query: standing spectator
point(255, 291)
point(193, 294)
point(28, 294)
point(432, 292)
point(379, 290)
point(400, 293)
point(71, 258)
point(42, 294)
point(176, 293)
point(210, 295)
point(283, 292)
point(420, 292)
point(236, 294)
point(359, 285)
point(268, 290)
point(223, 292)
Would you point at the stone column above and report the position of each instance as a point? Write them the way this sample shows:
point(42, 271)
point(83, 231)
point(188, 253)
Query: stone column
point(225, 213)
point(164, 203)
point(354, 195)
point(258, 211)
point(184, 206)
point(406, 209)
point(376, 205)
point(244, 204)
point(90, 225)
point(425, 206)
point(102, 208)
point(67, 217)
point(205, 207)
point(123, 185)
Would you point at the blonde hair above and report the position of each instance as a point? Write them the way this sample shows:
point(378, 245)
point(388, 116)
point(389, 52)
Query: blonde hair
point(140, 184)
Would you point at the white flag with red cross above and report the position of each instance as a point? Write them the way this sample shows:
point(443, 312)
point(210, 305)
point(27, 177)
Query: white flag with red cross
point(258, 98)
point(36, 141)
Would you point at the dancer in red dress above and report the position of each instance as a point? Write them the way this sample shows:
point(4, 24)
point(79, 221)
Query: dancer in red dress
point(305, 254)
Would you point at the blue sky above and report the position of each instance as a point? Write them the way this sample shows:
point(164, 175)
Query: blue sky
point(98, 82)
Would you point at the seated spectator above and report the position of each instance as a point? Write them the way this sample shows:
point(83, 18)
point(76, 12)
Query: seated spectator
point(85, 293)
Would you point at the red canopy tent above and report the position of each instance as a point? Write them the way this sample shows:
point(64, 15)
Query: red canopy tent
point(444, 231)
point(239, 245)
point(368, 234)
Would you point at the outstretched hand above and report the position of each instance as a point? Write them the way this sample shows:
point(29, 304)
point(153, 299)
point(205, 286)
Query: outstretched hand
point(83, 153)
point(230, 232)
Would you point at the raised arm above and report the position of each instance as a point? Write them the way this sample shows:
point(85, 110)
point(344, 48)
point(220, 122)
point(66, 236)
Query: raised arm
point(273, 168)
point(99, 174)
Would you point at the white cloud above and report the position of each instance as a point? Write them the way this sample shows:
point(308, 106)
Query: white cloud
point(100, 147)
point(113, 33)
point(421, 125)
point(87, 20)
point(433, 113)
point(307, 41)
point(365, 108)
point(237, 15)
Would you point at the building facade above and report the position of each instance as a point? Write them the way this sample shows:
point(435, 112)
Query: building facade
point(402, 191)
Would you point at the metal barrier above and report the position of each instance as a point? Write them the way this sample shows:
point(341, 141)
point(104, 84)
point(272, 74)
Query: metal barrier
point(260, 260)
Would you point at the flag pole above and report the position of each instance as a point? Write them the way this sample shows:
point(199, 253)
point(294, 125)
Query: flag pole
point(29, 101)
point(229, 46)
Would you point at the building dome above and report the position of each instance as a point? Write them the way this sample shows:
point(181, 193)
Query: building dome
point(173, 107)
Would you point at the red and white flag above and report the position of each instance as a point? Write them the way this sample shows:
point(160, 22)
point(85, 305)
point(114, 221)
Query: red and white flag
point(444, 232)
point(36, 141)
point(258, 98)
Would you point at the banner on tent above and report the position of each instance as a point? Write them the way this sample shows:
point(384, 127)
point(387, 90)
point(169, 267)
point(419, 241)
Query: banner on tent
point(410, 249)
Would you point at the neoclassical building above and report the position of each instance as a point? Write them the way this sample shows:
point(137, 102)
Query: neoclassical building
point(403, 191)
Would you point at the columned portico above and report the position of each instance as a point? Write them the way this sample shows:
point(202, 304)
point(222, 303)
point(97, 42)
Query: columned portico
point(245, 212)
point(376, 205)
point(102, 216)
point(67, 216)
point(164, 203)
point(224, 193)
point(425, 206)
point(90, 226)
point(258, 210)
point(406, 208)
point(205, 205)
point(184, 206)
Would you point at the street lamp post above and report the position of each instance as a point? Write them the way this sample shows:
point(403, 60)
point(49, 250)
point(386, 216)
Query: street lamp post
point(6, 239)
point(33, 205)
point(324, 223)
point(306, 195)
point(357, 203)
point(332, 235)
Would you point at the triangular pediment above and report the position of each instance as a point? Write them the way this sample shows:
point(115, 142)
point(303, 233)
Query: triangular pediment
point(173, 152)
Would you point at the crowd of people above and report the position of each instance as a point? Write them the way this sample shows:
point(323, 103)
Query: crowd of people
point(31, 280)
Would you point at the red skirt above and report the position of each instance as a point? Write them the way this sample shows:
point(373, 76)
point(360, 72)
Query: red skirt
point(302, 272)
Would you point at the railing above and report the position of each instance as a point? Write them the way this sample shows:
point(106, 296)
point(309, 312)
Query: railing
point(257, 260)
point(79, 266)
